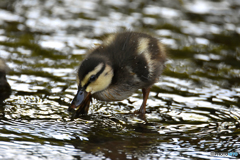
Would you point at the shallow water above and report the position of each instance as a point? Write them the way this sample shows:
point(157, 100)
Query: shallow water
point(193, 110)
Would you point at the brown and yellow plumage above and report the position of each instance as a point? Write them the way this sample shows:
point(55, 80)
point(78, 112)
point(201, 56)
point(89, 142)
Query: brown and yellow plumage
point(114, 70)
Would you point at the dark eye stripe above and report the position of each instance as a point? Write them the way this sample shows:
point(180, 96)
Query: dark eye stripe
point(92, 78)
point(95, 76)
point(100, 72)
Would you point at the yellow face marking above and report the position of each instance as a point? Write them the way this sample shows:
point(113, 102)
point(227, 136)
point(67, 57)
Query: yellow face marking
point(94, 72)
point(103, 80)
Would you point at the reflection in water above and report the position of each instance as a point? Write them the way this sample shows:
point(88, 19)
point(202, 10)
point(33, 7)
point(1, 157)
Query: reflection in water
point(194, 109)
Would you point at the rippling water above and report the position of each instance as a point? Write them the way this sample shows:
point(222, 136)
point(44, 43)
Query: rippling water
point(193, 110)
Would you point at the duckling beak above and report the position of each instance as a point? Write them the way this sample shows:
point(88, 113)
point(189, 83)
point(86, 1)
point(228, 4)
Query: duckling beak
point(79, 98)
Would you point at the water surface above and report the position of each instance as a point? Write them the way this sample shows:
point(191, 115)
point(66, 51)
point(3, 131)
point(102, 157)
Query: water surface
point(193, 110)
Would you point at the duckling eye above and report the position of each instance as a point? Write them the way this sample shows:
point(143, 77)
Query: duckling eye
point(92, 78)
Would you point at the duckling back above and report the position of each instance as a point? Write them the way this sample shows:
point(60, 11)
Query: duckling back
point(137, 60)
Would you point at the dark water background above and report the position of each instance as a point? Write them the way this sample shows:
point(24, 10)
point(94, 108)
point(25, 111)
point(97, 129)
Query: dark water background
point(194, 109)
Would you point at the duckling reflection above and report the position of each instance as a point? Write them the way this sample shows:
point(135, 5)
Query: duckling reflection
point(122, 64)
point(5, 89)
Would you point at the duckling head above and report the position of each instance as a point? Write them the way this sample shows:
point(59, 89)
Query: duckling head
point(94, 75)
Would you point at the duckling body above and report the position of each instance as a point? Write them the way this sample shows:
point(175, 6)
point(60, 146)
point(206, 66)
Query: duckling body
point(122, 64)
point(5, 89)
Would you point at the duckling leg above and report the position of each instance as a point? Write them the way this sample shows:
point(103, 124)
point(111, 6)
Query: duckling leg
point(145, 92)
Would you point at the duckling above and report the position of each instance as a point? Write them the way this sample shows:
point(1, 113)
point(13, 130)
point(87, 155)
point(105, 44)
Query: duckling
point(5, 89)
point(114, 70)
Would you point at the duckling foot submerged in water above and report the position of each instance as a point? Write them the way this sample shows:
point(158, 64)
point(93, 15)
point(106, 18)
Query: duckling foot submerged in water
point(122, 64)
